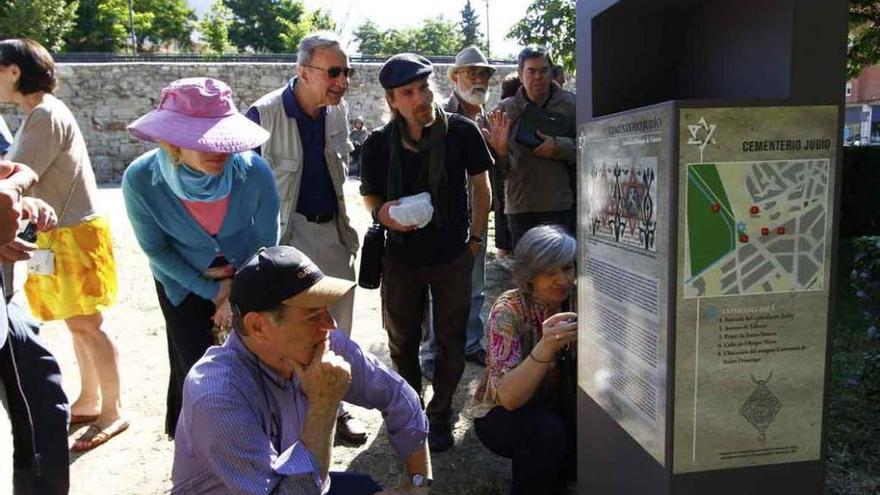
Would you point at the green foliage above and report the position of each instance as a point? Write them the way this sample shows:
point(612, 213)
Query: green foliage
point(294, 32)
point(853, 449)
point(214, 28)
point(549, 23)
point(173, 21)
point(470, 27)
point(865, 278)
point(44, 21)
point(266, 25)
point(370, 38)
point(103, 25)
point(436, 36)
point(864, 36)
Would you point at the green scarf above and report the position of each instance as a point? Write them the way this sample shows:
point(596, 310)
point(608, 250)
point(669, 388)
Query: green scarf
point(434, 175)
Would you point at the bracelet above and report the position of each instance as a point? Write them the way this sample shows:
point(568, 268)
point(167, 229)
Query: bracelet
point(477, 239)
point(538, 360)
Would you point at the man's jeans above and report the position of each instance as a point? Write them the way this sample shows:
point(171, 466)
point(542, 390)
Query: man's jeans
point(475, 328)
point(352, 484)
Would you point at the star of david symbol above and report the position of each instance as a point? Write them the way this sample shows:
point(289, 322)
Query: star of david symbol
point(696, 134)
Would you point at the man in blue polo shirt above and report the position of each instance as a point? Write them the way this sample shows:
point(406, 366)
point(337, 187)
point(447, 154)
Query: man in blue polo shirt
point(308, 150)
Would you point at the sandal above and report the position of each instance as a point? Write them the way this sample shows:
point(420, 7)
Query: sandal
point(96, 436)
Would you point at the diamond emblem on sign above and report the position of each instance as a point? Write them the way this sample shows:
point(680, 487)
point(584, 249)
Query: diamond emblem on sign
point(761, 408)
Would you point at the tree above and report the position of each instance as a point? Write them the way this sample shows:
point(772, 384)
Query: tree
point(103, 25)
point(173, 22)
point(370, 39)
point(293, 33)
point(549, 23)
point(436, 36)
point(214, 28)
point(470, 27)
point(259, 24)
point(44, 21)
point(864, 36)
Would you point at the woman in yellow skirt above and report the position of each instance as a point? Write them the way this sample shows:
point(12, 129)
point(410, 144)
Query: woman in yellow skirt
point(80, 283)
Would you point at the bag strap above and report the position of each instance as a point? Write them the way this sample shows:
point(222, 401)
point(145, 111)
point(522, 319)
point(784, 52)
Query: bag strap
point(64, 208)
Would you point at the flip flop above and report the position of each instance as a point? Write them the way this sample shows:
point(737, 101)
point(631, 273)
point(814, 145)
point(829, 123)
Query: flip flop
point(96, 436)
point(79, 419)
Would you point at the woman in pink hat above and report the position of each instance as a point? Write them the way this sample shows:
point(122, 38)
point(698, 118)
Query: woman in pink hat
point(200, 205)
point(76, 281)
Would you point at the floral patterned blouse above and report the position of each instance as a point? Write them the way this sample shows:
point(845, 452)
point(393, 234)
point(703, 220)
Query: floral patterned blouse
point(515, 327)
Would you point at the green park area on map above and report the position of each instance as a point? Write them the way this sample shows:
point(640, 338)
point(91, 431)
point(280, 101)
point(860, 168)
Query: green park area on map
point(712, 232)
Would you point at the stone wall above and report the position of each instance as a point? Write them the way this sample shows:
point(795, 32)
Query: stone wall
point(106, 97)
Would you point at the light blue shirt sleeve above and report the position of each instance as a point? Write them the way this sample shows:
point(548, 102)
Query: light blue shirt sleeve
point(375, 386)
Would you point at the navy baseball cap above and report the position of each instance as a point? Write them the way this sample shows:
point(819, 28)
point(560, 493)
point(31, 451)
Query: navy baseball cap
point(283, 274)
point(404, 68)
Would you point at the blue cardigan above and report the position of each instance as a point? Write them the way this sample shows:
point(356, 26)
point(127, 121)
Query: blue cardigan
point(178, 247)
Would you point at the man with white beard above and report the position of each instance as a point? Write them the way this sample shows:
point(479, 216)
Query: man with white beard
point(470, 78)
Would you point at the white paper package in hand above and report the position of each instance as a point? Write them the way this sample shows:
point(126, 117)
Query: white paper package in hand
point(413, 210)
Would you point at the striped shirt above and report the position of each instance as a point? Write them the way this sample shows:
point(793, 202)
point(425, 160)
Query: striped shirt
point(240, 425)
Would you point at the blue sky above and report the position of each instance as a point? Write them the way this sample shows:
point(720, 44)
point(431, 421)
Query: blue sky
point(402, 13)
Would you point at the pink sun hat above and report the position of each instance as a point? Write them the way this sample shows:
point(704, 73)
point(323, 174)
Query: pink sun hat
point(198, 113)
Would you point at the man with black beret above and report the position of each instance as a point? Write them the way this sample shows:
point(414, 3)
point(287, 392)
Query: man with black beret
point(259, 411)
point(424, 149)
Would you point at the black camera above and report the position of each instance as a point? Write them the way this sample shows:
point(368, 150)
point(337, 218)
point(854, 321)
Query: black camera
point(29, 233)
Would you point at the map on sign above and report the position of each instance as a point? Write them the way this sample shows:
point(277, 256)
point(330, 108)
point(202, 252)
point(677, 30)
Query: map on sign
point(755, 227)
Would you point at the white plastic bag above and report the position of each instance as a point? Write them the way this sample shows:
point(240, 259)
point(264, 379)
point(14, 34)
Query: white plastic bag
point(413, 210)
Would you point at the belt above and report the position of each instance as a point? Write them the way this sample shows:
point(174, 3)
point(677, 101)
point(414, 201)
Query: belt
point(320, 217)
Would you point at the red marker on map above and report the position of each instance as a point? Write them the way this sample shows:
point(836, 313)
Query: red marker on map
point(743, 238)
point(765, 231)
point(780, 230)
point(754, 210)
point(716, 207)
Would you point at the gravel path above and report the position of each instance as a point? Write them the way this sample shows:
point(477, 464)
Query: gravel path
point(139, 460)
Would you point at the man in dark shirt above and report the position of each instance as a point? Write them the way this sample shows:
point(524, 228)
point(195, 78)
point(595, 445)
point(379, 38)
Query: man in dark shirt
point(425, 149)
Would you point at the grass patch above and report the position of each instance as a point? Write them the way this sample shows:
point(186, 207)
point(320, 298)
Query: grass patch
point(853, 424)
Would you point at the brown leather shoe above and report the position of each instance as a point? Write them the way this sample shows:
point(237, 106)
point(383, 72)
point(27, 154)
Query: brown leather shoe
point(350, 430)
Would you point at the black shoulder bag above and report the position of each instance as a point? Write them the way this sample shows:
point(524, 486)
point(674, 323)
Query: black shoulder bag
point(370, 275)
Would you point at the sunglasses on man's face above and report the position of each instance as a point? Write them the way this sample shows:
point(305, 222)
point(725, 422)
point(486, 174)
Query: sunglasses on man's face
point(334, 72)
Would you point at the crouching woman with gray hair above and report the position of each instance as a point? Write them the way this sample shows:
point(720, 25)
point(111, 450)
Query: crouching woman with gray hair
point(521, 409)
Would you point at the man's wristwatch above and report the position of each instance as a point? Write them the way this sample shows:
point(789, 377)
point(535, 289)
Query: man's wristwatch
point(420, 480)
point(477, 239)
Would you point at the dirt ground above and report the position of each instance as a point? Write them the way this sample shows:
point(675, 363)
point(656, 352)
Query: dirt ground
point(139, 460)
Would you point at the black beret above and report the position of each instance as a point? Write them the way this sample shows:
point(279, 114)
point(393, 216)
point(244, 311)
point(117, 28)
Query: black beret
point(404, 68)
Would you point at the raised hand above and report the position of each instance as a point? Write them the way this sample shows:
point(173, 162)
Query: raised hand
point(498, 131)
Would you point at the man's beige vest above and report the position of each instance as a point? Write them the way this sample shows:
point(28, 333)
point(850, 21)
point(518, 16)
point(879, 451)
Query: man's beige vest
point(284, 153)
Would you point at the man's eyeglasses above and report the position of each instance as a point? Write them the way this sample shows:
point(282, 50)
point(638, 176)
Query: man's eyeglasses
point(334, 72)
point(481, 73)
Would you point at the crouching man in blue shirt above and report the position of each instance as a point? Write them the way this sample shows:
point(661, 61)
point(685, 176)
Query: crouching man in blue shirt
point(259, 412)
